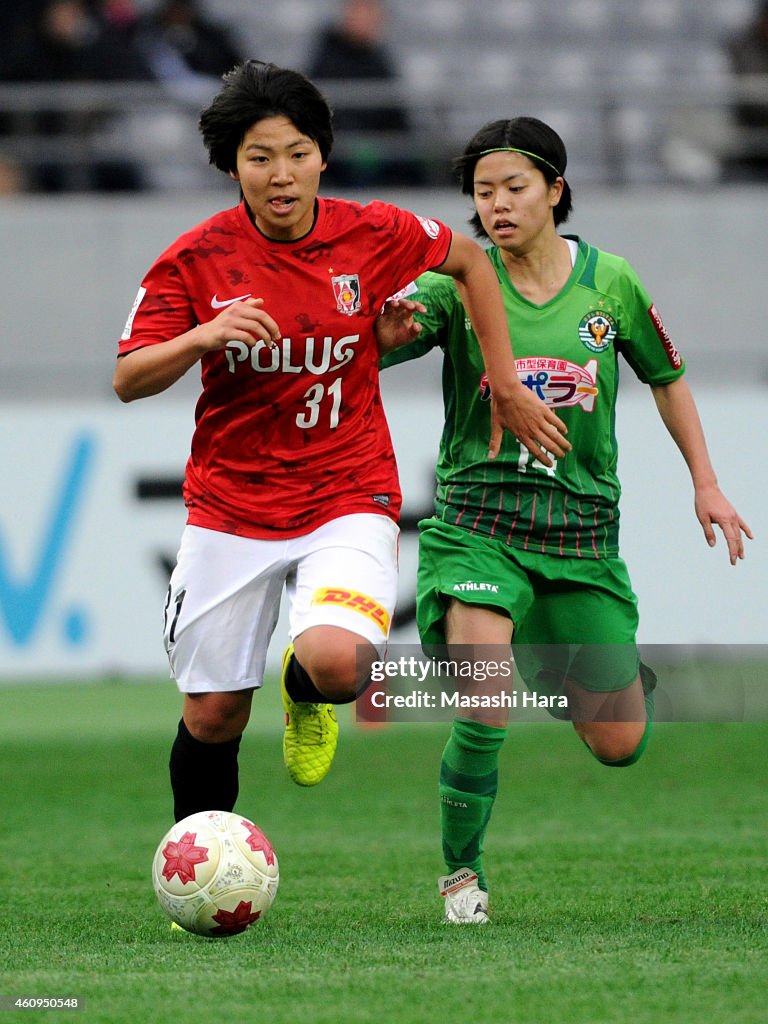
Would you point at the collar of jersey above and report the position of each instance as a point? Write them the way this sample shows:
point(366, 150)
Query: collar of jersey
point(247, 215)
point(576, 271)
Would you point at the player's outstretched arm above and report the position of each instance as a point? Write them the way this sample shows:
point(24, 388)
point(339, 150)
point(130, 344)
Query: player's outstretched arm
point(154, 368)
point(681, 418)
point(514, 406)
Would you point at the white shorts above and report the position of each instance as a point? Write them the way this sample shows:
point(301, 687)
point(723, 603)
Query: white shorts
point(224, 596)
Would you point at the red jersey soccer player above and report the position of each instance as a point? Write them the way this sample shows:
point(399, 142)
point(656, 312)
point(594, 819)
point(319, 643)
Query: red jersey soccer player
point(291, 480)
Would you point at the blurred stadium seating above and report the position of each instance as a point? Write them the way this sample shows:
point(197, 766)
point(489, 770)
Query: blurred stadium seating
point(641, 91)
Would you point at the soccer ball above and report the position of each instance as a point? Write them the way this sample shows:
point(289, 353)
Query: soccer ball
point(215, 873)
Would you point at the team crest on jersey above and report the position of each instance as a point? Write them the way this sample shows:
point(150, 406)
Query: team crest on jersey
point(346, 288)
point(558, 382)
point(597, 330)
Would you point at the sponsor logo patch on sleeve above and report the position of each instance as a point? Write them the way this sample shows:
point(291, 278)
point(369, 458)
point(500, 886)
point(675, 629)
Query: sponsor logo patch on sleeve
point(410, 289)
point(431, 227)
point(129, 322)
point(675, 359)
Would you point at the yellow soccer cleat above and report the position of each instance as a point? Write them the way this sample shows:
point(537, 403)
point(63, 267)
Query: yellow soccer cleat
point(310, 737)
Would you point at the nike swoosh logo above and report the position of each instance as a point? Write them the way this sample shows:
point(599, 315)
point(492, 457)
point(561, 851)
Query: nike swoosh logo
point(218, 303)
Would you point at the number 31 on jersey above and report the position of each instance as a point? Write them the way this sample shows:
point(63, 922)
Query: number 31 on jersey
point(313, 400)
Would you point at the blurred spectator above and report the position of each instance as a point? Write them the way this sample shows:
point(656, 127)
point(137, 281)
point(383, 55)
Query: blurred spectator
point(748, 55)
point(180, 42)
point(72, 41)
point(12, 178)
point(353, 48)
point(15, 22)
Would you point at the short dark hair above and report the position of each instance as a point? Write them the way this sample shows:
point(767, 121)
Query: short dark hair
point(253, 91)
point(540, 143)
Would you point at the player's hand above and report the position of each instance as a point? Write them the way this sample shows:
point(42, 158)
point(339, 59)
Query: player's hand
point(396, 324)
point(531, 421)
point(714, 509)
point(245, 321)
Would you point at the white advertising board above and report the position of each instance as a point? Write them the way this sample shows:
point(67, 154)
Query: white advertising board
point(90, 523)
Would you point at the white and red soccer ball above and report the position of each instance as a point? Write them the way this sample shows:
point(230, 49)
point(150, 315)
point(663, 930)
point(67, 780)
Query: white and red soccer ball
point(215, 873)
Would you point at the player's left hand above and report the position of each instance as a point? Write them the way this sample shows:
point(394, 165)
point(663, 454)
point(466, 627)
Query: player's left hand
point(396, 324)
point(714, 509)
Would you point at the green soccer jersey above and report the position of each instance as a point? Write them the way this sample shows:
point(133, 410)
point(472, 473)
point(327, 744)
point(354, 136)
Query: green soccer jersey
point(567, 353)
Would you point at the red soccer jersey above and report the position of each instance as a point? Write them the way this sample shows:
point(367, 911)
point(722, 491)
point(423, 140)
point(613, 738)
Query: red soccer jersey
point(288, 438)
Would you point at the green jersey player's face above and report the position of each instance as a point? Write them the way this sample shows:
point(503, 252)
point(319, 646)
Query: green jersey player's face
point(514, 201)
point(279, 169)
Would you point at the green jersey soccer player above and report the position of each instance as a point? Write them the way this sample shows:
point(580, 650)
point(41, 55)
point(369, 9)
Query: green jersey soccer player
point(516, 548)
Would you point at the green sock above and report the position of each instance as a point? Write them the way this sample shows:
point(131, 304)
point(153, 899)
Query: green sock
point(649, 680)
point(468, 781)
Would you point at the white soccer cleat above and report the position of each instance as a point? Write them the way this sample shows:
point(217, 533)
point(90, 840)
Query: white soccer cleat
point(465, 901)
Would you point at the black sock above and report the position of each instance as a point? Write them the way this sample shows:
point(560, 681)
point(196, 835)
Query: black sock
point(302, 690)
point(204, 776)
point(299, 685)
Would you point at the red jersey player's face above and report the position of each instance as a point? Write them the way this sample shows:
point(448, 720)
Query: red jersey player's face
point(279, 172)
point(514, 201)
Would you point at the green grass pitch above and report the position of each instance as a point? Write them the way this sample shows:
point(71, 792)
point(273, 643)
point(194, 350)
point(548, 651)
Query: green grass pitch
point(633, 895)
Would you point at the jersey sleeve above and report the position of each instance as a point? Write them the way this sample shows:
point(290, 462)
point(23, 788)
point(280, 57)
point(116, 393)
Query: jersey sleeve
point(413, 244)
point(644, 341)
point(162, 309)
point(438, 293)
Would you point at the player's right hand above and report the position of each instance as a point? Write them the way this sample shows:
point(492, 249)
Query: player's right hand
point(531, 421)
point(245, 321)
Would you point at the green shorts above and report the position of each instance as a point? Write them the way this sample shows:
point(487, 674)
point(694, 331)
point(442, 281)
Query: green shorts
point(573, 617)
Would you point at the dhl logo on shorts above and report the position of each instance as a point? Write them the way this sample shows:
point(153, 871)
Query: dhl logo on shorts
point(356, 602)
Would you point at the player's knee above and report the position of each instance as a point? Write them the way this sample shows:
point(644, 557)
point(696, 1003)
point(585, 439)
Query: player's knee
point(217, 717)
point(615, 744)
point(338, 671)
